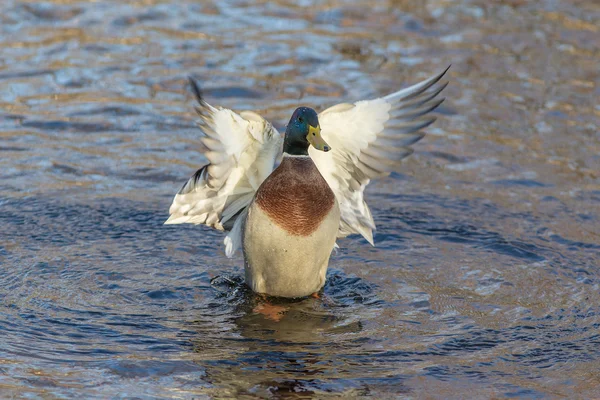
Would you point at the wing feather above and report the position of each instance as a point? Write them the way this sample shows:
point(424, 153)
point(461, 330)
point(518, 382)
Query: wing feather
point(368, 140)
point(242, 149)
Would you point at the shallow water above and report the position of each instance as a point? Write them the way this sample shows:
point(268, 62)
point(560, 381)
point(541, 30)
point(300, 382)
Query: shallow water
point(485, 279)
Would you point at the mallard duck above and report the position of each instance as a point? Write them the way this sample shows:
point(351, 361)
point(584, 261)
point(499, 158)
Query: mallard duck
point(286, 219)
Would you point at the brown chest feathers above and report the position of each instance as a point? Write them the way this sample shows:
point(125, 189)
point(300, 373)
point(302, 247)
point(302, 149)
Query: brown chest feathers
point(295, 196)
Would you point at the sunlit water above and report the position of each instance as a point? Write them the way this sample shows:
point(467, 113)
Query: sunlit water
point(485, 279)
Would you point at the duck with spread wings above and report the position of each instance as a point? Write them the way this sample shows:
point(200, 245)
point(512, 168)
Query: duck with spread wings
point(286, 219)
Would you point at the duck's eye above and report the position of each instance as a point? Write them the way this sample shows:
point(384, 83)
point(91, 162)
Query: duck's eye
point(300, 119)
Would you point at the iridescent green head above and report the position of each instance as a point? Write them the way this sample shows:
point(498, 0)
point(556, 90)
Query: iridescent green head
point(303, 130)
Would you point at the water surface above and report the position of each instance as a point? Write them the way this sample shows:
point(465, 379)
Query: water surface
point(484, 282)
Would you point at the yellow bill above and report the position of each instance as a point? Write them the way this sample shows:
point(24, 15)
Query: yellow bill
point(316, 140)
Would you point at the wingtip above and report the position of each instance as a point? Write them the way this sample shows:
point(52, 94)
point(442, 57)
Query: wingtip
point(176, 219)
point(368, 235)
point(418, 88)
point(196, 90)
point(438, 103)
point(441, 75)
point(435, 79)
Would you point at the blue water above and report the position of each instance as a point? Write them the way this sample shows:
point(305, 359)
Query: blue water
point(484, 279)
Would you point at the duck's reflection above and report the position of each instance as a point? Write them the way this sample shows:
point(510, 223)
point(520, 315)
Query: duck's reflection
point(279, 345)
point(308, 320)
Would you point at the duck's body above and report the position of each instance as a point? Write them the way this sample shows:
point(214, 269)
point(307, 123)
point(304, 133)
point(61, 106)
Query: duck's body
point(290, 230)
point(287, 219)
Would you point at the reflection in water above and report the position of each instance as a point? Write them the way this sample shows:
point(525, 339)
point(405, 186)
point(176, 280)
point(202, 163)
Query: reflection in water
point(292, 354)
point(484, 281)
point(303, 321)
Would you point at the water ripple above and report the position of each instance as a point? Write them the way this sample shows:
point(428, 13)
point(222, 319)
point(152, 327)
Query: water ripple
point(484, 279)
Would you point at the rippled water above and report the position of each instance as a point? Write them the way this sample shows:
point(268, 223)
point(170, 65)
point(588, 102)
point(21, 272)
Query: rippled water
point(485, 279)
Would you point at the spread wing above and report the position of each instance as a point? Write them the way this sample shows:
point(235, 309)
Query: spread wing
point(242, 150)
point(368, 140)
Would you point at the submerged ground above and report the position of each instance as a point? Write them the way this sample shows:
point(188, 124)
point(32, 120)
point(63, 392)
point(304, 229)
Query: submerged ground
point(485, 279)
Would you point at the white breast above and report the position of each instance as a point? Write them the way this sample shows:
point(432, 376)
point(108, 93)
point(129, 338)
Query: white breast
point(280, 264)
